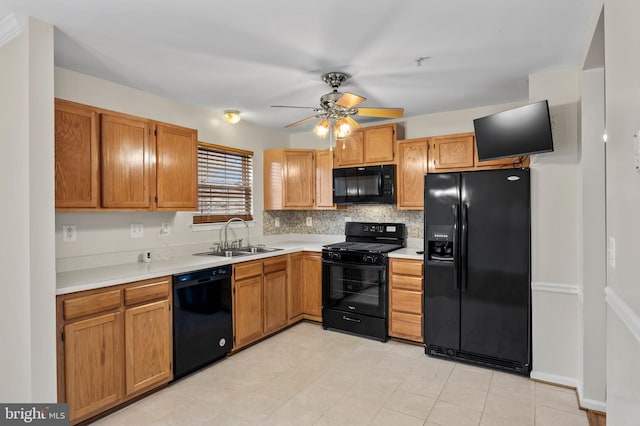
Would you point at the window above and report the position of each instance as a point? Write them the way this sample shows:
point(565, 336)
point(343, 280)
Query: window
point(225, 181)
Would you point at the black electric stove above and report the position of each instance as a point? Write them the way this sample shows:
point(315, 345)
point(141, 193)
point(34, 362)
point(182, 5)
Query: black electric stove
point(355, 278)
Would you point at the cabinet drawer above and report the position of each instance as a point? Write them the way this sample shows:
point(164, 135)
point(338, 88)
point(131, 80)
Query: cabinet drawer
point(246, 270)
point(92, 304)
point(406, 267)
point(406, 282)
point(146, 292)
point(408, 326)
point(276, 264)
point(406, 301)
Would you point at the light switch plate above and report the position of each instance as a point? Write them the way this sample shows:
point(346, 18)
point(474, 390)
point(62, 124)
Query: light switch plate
point(164, 228)
point(68, 233)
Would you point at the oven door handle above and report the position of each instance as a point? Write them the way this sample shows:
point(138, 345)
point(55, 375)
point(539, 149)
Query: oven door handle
point(362, 265)
point(346, 318)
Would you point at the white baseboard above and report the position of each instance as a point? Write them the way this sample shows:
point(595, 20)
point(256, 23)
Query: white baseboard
point(592, 404)
point(552, 378)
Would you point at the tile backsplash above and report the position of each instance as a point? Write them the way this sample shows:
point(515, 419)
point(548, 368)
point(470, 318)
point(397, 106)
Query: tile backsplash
point(332, 221)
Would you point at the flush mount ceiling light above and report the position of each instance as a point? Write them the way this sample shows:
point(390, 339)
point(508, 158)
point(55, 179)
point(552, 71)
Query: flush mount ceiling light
point(232, 116)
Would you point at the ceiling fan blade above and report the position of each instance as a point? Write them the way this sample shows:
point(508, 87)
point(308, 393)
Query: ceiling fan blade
point(304, 120)
point(291, 106)
point(381, 112)
point(352, 123)
point(349, 100)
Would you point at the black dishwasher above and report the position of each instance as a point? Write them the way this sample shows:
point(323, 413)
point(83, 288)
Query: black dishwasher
point(202, 321)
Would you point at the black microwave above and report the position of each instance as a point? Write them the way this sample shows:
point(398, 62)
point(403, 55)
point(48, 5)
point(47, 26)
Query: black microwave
point(364, 185)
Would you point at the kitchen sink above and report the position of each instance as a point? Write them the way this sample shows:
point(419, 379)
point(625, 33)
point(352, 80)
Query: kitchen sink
point(244, 251)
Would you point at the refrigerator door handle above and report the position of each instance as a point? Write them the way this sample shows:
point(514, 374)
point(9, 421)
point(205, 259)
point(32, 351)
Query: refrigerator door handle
point(456, 283)
point(463, 245)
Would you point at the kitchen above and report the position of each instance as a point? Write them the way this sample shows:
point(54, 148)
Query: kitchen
point(561, 312)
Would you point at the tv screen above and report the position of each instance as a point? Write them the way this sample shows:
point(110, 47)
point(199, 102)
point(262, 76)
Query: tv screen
point(519, 131)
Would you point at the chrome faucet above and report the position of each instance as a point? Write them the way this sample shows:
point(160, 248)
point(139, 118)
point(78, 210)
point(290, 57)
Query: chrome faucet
point(226, 225)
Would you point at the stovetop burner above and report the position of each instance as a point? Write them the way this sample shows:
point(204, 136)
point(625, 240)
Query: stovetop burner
point(363, 247)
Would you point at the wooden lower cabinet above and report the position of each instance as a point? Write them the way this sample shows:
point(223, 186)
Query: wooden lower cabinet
point(294, 288)
point(275, 293)
point(406, 286)
point(247, 303)
point(312, 286)
point(114, 344)
point(93, 362)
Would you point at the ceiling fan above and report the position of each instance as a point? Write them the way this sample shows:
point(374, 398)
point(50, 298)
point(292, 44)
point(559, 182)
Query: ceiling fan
point(337, 108)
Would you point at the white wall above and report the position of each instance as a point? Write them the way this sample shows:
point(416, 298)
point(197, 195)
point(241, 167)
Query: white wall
point(556, 289)
point(27, 306)
point(107, 234)
point(622, 82)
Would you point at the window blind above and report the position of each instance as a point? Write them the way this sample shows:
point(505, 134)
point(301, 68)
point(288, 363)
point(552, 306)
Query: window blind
point(225, 181)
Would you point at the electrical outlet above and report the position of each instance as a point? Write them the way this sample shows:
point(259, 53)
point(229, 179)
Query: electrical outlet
point(164, 228)
point(309, 221)
point(612, 252)
point(137, 230)
point(636, 151)
point(277, 222)
point(68, 233)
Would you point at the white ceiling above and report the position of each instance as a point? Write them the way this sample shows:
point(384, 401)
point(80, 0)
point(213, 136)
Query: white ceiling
point(251, 54)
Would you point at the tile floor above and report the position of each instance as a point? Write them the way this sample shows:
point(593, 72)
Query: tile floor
point(309, 376)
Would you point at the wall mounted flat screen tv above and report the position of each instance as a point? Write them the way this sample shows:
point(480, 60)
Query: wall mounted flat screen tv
point(513, 133)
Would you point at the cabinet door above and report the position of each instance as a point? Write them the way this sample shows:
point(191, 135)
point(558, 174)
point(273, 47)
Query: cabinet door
point(148, 342)
point(176, 168)
point(125, 162)
point(93, 355)
point(76, 156)
point(294, 286)
point(324, 179)
point(247, 310)
point(275, 301)
point(312, 284)
point(350, 150)
point(299, 188)
point(451, 152)
point(412, 166)
point(378, 145)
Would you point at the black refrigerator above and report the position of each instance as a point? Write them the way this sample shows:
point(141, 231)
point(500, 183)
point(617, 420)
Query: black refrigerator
point(477, 280)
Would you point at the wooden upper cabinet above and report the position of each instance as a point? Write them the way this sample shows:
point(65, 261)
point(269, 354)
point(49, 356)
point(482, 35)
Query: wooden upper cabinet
point(76, 156)
point(299, 185)
point(176, 167)
point(412, 166)
point(368, 146)
point(451, 152)
point(350, 150)
point(126, 156)
point(324, 179)
point(378, 144)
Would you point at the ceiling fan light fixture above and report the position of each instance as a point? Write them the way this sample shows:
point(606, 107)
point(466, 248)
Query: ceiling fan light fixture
point(322, 128)
point(342, 128)
point(232, 116)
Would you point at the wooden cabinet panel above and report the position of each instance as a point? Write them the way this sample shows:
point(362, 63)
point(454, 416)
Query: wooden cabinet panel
point(248, 310)
point(275, 300)
point(176, 167)
point(93, 356)
point(406, 301)
point(76, 156)
point(312, 285)
point(294, 286)
point(147, 291)
point(379, 144)
point(406, 326)
point(77, 307)
point(324, 179)
point(412, 166)
point(275, 264)
point(125, 162)
point(247, 269)
point(350, 150)
point(299, 187)
point(148, 345)
point(451, 152)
